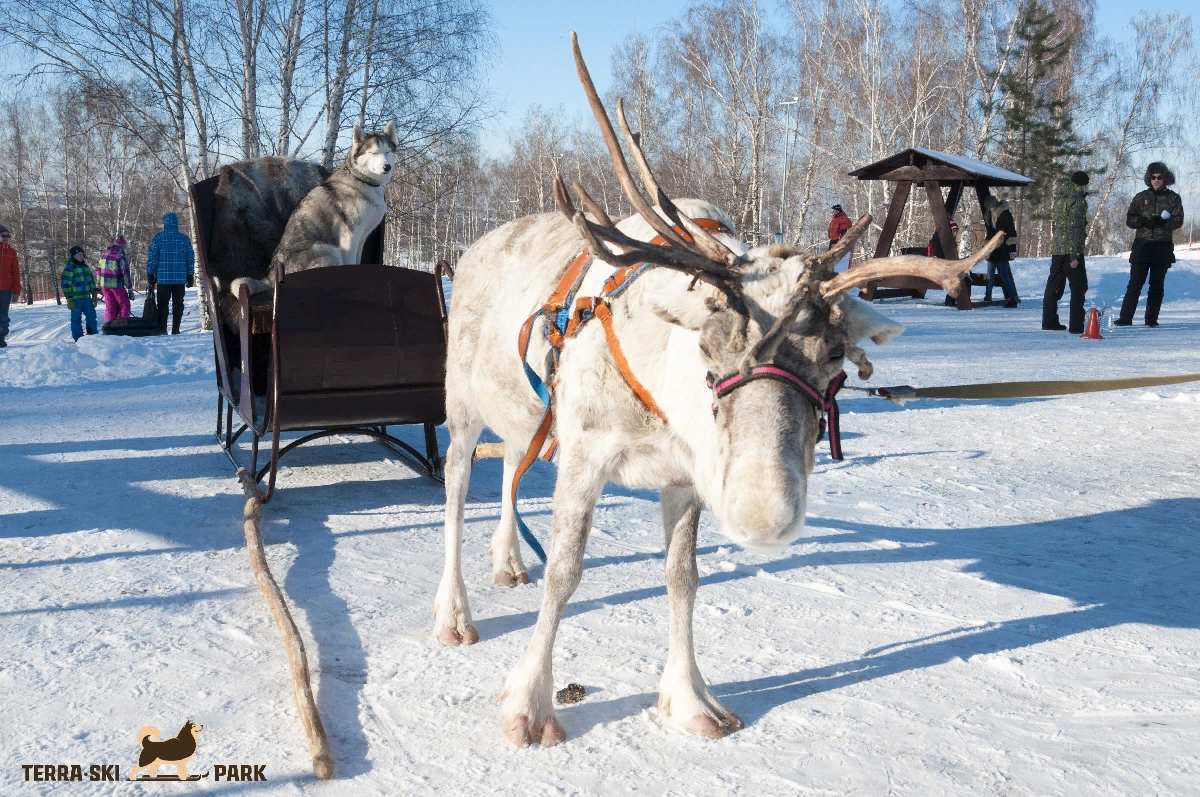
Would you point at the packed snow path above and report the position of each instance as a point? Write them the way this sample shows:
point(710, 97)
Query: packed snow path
point(991, 598)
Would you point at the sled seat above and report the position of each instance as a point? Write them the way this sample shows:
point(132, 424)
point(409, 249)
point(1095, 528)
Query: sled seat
point(348, 349)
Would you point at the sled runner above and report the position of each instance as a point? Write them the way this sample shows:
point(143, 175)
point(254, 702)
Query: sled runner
point(136, 327)
point(347, 350)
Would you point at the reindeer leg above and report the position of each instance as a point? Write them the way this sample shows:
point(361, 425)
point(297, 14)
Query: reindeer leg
point(451, 611)
point(528, 696)
point(507, 568)
point(684, 699)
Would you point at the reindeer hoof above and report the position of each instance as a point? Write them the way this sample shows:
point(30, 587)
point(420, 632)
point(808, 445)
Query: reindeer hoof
point(452, 637)
point(504, 578)
point(552, 733)
point(516, 730)
point(711, 728)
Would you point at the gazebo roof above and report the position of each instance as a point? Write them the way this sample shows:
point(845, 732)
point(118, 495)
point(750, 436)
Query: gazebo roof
point(929, 164)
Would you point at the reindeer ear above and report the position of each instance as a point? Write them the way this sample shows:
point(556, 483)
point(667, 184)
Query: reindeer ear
point(864, 321)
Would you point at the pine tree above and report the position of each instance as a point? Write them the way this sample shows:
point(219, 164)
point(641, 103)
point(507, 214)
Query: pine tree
point(1039, 138)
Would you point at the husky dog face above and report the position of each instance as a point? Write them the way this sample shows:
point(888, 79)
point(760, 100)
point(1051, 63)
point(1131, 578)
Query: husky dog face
point(374, 154)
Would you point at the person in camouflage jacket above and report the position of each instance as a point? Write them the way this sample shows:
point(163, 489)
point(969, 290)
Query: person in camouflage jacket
point(1156, 214)
point(1067, 238)
point(79, 286)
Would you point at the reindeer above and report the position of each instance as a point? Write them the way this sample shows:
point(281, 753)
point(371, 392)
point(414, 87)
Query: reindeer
point(728, 341)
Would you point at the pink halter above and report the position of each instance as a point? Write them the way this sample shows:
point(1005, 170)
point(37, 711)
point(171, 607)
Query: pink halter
point(825, 404)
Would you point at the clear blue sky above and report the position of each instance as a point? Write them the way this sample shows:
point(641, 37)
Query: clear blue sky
point(534, 63)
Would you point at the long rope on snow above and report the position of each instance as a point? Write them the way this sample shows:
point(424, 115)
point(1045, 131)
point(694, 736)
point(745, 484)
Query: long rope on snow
point(318, 742)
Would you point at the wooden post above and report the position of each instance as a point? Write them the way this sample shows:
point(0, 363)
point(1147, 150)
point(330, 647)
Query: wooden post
point(888, 233)
point(941, 220)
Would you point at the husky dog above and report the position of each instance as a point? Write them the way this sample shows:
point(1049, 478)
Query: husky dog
point(254, 200)
point(175, 751)
point(331, 224)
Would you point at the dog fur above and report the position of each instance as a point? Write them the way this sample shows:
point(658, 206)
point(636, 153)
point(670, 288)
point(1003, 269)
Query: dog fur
point(175, 751)
point(331, 224)
point(254, 200)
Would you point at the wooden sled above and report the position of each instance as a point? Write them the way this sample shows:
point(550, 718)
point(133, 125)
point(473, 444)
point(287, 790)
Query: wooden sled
point(348, 350)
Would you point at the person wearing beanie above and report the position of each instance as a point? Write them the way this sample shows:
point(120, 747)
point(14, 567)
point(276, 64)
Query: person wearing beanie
point(170, 264)
point(838, 225)
point(10, 280)
point(1156, 214)
point(1068, 236)
point(113, 270)
point(79, 287)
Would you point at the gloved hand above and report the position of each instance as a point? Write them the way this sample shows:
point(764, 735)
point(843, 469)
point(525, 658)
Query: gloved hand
point(151, 280)
point(95, 298)
point(70, 304)
point(191, 280)
point(1166, 215)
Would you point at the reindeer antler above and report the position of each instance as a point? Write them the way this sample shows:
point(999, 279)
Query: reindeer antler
point(946, 273)
point(703, 257)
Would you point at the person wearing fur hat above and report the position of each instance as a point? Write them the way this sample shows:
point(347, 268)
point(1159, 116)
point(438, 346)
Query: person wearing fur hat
point(113, 269)
point(79, 286)
point(1156, 214)
point(1067, 238)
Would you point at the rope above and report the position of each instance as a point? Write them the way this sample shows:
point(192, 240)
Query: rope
point(994, 390)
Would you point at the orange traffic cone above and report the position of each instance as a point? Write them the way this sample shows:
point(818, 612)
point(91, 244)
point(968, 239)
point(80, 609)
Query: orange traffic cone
point(1092, 332)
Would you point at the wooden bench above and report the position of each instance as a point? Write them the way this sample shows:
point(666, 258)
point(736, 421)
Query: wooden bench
point(349, 349)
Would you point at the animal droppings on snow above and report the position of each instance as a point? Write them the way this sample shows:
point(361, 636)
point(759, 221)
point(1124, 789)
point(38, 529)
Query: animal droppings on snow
point(1150, 397)
point(571, 693)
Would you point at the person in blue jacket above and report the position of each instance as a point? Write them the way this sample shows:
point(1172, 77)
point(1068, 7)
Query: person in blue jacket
point(171, 265)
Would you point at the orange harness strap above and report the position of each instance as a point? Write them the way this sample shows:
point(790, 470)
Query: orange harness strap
point(605, 315)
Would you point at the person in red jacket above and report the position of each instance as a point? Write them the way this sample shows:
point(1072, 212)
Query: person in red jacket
point(10, 280)
point(838, 225)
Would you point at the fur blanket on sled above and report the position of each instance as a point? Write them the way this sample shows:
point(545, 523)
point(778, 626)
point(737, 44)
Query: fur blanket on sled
point(254, 200)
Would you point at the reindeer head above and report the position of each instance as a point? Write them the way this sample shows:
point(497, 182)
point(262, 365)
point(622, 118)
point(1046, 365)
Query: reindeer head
point(775, 329)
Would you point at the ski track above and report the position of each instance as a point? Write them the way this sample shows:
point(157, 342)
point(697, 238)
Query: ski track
point(991, 598)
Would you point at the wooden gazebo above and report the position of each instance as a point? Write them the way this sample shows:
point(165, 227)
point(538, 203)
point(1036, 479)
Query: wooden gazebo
point(933, 170)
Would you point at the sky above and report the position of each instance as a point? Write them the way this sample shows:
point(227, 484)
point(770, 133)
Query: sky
point(534, 61)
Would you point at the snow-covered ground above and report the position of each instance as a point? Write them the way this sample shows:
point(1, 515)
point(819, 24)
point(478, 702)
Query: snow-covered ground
point(993, 597)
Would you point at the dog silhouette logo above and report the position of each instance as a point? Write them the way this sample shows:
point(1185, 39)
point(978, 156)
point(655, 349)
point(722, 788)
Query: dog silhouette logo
point(157, 751)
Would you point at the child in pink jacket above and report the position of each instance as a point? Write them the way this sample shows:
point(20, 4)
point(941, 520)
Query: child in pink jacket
point(113, 270)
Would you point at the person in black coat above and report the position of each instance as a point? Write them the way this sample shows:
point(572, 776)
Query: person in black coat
point(997, 217)
point(1155, 213)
